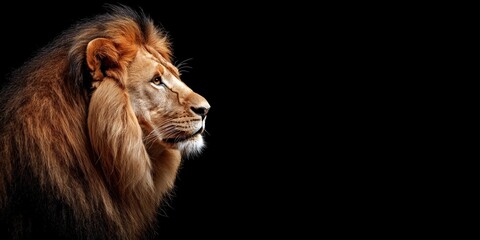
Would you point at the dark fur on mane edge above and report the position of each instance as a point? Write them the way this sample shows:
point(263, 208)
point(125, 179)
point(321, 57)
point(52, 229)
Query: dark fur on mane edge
point(50, 183)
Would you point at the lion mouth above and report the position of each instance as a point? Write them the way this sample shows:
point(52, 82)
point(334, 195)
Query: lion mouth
point(181, 139)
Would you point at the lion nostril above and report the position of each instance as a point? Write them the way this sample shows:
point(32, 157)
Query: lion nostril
point(202, 111)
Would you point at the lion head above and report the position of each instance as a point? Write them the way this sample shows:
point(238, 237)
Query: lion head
point(94, 128)
point(167, 110)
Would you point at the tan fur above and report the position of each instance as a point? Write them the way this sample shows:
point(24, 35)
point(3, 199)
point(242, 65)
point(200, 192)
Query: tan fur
point(90, 156)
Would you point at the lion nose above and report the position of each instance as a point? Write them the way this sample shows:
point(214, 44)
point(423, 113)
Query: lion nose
point(198, 104)
point(201, 110)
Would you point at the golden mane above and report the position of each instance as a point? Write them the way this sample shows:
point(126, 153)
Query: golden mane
point(72, 155)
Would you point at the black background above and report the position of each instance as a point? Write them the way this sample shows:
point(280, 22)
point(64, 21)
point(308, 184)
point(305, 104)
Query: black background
point(254, 177)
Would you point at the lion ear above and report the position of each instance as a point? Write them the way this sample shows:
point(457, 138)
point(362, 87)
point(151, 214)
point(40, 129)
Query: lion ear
point(103, 58)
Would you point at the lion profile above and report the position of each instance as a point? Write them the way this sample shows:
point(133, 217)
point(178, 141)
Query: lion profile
point(92, 131)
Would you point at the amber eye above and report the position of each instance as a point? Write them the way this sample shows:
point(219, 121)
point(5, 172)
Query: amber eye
point(157, 80)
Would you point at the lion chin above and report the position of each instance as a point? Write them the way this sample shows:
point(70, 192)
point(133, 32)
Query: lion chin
point(189, 146)
point(192, 146)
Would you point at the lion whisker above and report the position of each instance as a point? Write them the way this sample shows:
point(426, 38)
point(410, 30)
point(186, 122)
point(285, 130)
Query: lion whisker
point(182, 66)
point(205, 130)
point(183, 63)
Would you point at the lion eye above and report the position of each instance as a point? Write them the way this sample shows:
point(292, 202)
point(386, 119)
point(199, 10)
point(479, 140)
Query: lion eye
point(157, 80)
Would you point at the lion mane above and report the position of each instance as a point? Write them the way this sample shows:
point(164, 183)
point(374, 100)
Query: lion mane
point(74, 160)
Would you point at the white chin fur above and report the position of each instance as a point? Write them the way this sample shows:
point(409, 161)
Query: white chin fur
point(192, 146)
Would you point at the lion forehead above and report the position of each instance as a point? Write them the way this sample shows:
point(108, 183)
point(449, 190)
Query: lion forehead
point(164, 62)
point(150, 63)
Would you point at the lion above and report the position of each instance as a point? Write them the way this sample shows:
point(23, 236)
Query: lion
point(93, 130)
